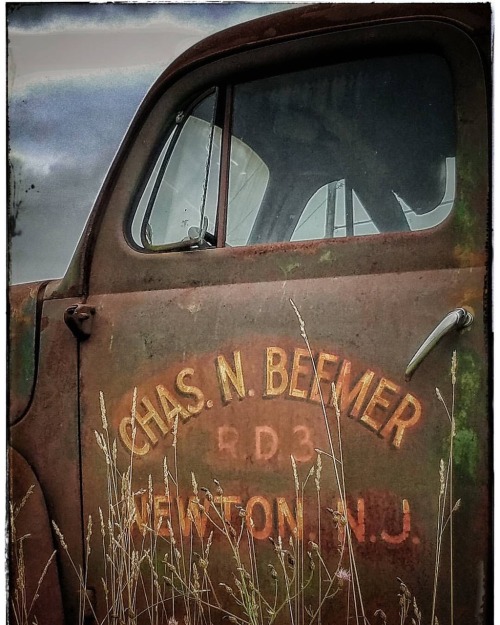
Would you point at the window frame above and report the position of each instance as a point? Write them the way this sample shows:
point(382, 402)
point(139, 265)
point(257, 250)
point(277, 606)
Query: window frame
point(224, 107)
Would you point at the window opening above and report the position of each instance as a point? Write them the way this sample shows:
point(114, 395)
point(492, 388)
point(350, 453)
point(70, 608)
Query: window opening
point(354, 149)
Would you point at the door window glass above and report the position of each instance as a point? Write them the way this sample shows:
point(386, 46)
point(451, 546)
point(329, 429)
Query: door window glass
point(359, 148)
point(248, 178)
point(179, 201)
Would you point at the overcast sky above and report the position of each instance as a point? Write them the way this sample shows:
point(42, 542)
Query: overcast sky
point(76, 75)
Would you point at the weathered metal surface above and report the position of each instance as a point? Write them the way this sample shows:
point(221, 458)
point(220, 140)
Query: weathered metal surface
point(30, 556)
point(22, 346)
point(231, 363)
point(48, 438)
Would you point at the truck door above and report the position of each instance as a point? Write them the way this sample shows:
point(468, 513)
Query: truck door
point(284, 396)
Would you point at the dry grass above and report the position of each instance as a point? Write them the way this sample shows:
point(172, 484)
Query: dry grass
point(173, 576)
point(22, 605)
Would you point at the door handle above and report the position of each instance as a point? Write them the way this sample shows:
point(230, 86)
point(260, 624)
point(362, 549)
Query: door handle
point(455, 320)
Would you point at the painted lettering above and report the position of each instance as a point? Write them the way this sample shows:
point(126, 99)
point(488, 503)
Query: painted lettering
point(296, 524)
point(267, 514)
point(352, 399)
point(160, 512)
point(171, 406)
point(131, 441)
point(276, 368)
point(305, 443)
point(399, 538)
point(190, 391)
point(227, 437)
point(227, 375)
point(400, 424)
point(151, 417)
point(378, 401)
point(299, 370)
point(323, 375)
point(265, 450)
point(293, 375)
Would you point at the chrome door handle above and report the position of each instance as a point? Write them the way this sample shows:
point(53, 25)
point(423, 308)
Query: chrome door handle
point(454, 320)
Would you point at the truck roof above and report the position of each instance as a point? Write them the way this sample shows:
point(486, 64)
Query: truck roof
point(313, 19)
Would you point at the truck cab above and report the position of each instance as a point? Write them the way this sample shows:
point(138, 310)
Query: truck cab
point(261, 391)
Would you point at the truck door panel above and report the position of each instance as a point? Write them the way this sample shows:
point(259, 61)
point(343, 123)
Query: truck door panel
point(219, 361)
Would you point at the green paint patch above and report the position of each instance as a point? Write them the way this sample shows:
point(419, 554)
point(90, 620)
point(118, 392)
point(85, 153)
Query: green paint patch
point(326, 257)
point(465, 220)
point(466, 450)
point(468, 402)
point(289, 267)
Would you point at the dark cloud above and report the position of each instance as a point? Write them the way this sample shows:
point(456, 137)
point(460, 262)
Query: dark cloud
point(62, 143)
point(45, 15)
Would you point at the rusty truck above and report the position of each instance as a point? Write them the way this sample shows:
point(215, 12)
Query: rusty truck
point(260, 393)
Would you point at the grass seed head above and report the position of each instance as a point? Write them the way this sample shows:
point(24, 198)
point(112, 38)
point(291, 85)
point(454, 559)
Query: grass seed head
point(295, 474)
point(219, 489)
point(272, 570)
point(441, 477)
point(209, 543)
point(335, 400)
point(18, 508)
point(194, 484)
point(60, 536)
point(317, 477)
point(454, 368)
point(103, 411)
point(381, 614)
point(208, 494)
point(301, 321)
point(170, 531)
point(174, 431)
point(227, 588)
point(165, 478)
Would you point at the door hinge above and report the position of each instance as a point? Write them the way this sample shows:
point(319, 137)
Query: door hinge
point(78, 318)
